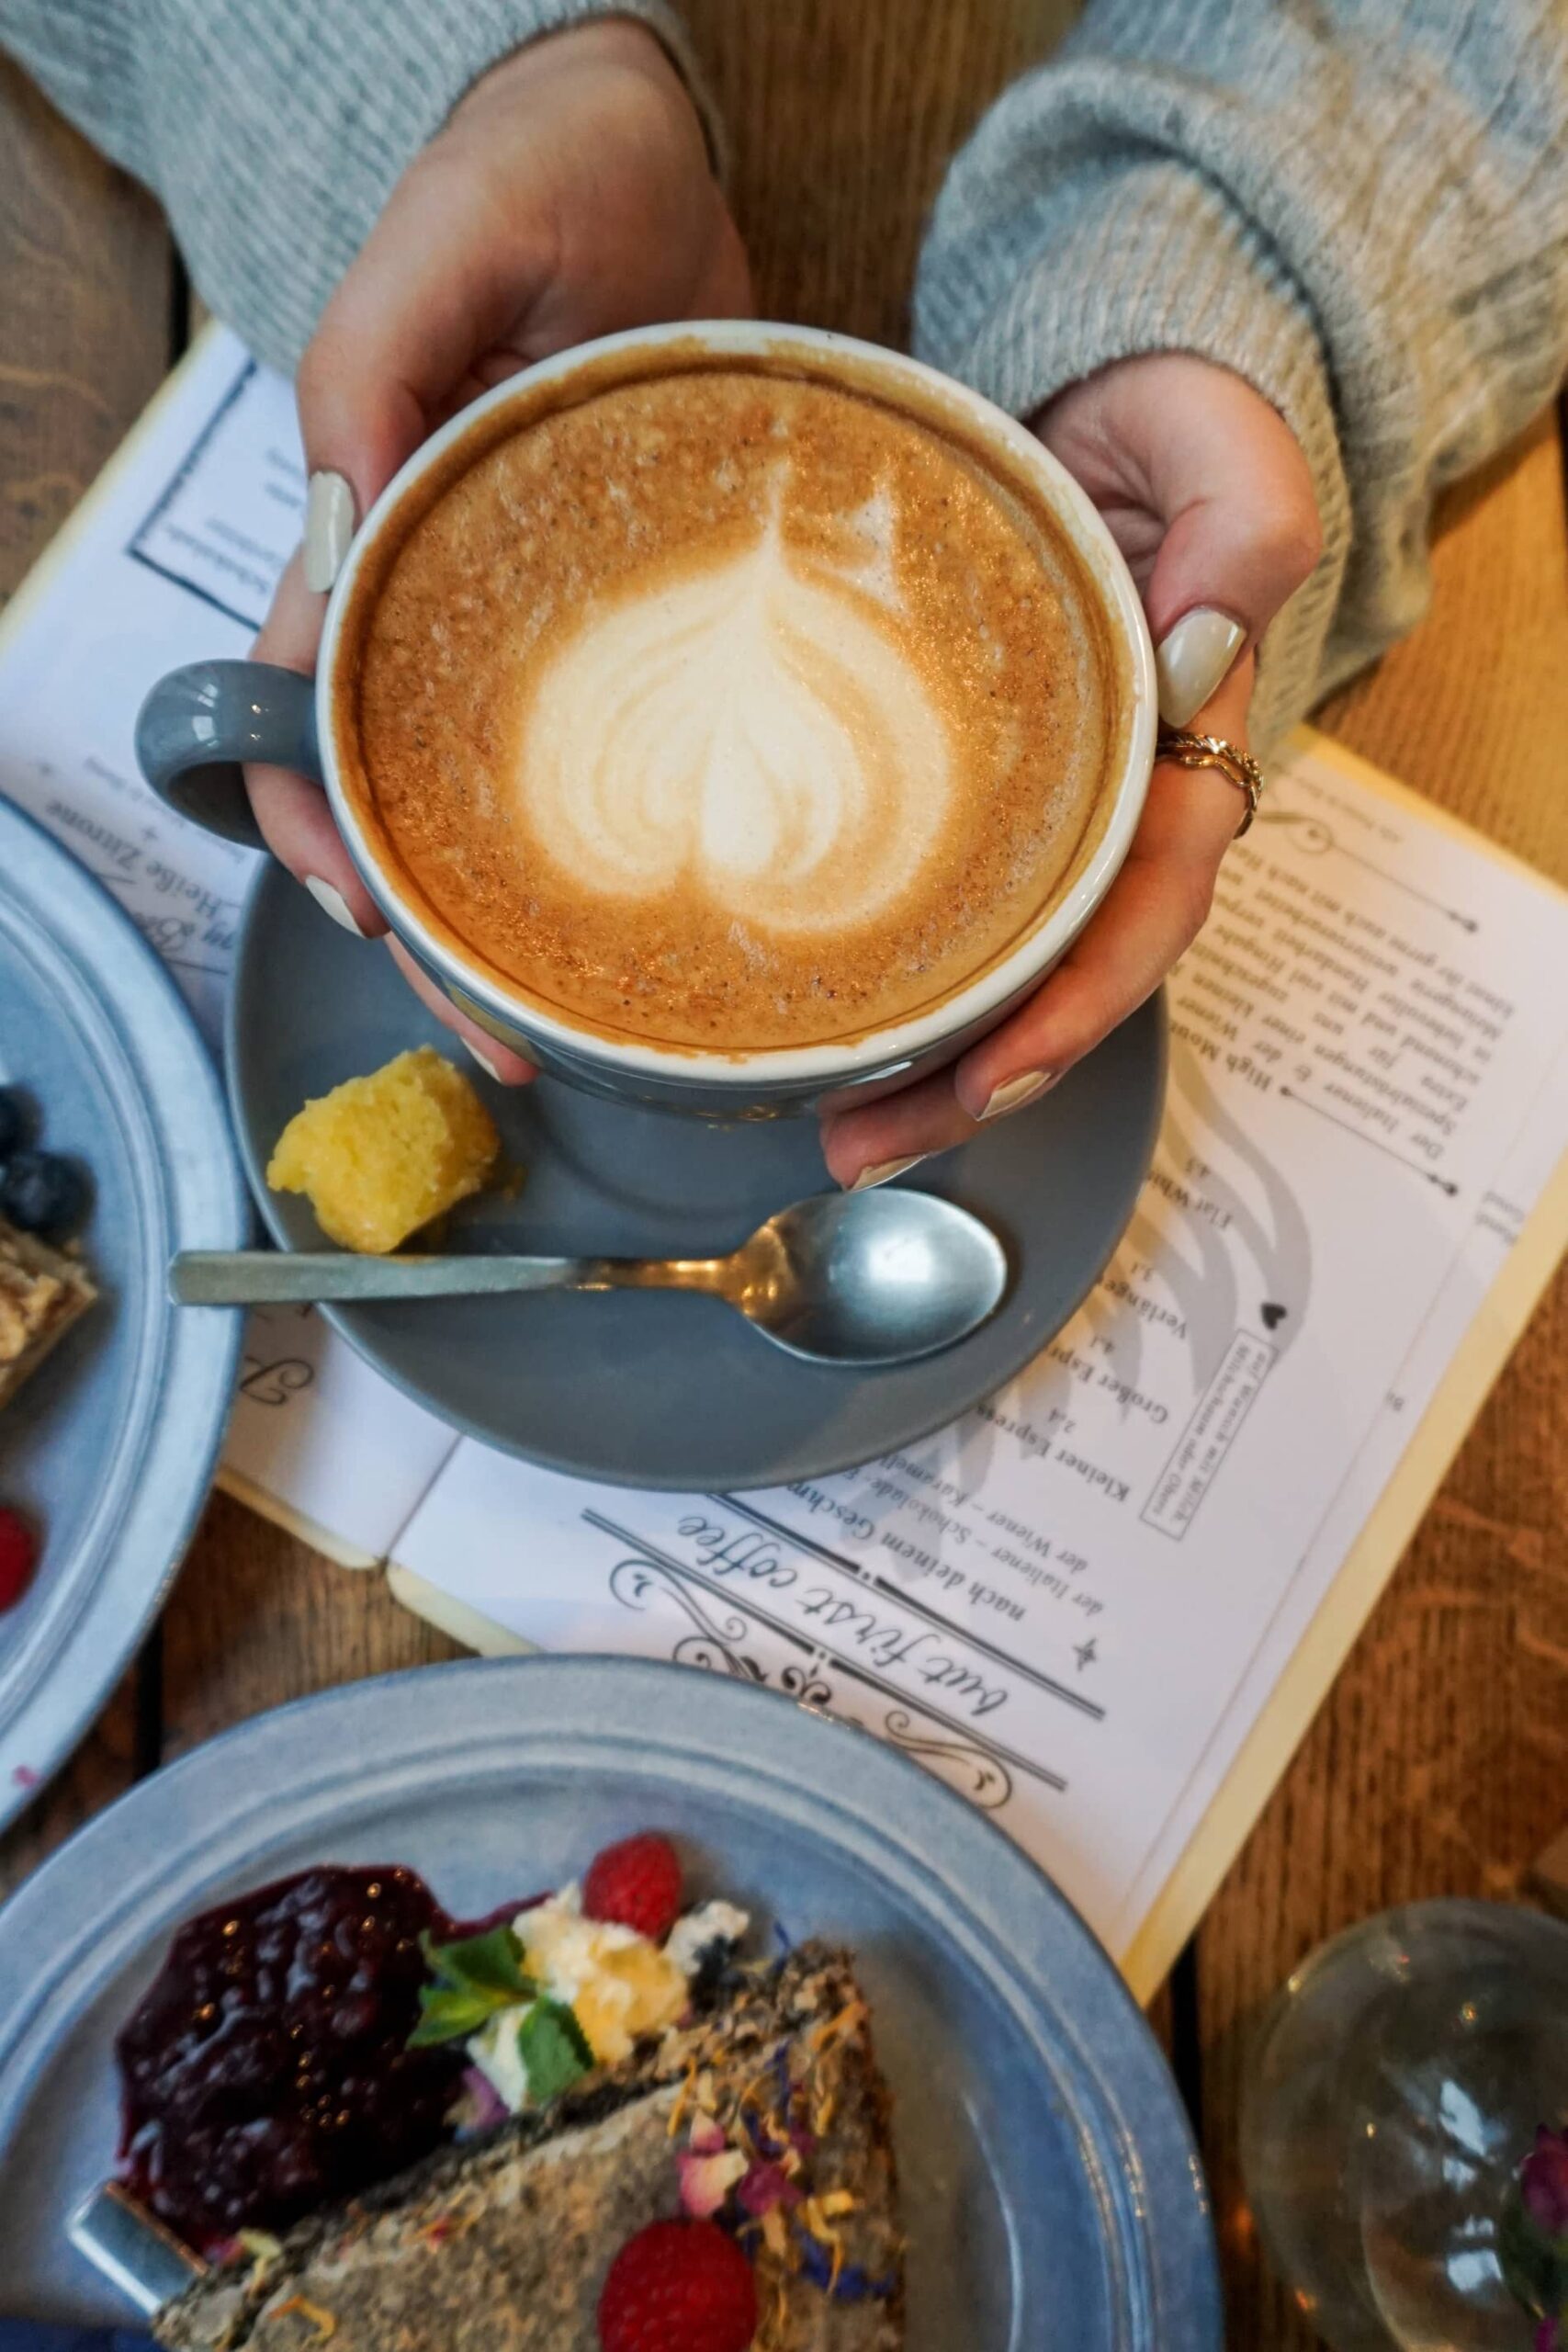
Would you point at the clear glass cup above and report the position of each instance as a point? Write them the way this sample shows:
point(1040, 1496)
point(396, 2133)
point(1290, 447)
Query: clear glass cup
point(1393, 2089)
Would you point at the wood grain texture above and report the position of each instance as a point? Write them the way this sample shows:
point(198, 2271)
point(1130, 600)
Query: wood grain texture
point(258, 1618)
point(841, 115)
point(85, 281)
point(1438, 1762)
point(86, 273)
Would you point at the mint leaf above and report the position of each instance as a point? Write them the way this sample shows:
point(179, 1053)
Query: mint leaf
point(446, 2015)
point(492, 1963)
point(555, 2049)
point(474, 1978)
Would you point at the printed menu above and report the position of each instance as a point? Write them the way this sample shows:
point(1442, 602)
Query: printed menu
point(1079, 1603)
point(1053, 1603)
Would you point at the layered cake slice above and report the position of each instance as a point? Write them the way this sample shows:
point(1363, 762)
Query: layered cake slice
point(42, 1294)
point(728, 2186)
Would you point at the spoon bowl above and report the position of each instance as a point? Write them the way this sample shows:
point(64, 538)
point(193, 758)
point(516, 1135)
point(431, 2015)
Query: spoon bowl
point(846, 1278)
point(870, 1278)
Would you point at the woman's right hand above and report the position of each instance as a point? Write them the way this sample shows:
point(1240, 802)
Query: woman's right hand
point(570, 194)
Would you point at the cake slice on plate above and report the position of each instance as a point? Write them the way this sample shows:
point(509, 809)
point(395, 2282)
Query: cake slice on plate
point(42, 1292)
point(731, 2186)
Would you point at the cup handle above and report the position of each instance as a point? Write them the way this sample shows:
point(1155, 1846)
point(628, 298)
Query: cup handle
point(200, 723)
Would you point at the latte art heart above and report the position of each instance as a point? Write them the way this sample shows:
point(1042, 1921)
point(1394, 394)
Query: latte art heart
point(752, 729)
point(725, 709)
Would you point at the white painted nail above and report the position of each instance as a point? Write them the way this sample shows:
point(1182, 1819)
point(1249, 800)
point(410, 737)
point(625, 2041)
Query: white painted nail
point(329, 528)
point(483, 1060)
point(884, 1170)
point(1016, 1091)
point(1193, 660)
point(333, 902)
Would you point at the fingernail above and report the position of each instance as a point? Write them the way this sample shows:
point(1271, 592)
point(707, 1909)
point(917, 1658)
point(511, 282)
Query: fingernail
point(883, 1171)
point(1016, 1091)
point(329, 528)
point(333, 902)
point(483, 1060)
point(1192, 658)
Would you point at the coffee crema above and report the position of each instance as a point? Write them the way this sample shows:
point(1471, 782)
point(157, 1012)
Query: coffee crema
point(727, 711)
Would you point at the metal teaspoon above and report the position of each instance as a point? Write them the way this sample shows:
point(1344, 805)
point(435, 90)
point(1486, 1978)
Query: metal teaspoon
point(850, 1277)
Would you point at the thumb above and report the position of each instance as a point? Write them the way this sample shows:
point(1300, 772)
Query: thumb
point(396, 350)
point(1241, 530)
point(360, 416)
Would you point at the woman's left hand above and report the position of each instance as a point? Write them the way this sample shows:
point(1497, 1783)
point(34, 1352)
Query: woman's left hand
point(568, 193)
point(1208, 496)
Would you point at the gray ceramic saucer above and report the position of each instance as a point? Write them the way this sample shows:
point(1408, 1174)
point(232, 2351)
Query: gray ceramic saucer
point(111, 1448)
point(1052, 2196)
point(652, 1390)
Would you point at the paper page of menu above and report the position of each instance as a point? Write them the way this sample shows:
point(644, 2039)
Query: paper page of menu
point(318, 1428)
point(1055, 1603)
point(1535, 1158)
point(172, 557)
point(175, 556)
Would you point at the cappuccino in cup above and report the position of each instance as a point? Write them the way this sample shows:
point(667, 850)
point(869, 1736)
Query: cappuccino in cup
point(720, 705)
point(732, 717)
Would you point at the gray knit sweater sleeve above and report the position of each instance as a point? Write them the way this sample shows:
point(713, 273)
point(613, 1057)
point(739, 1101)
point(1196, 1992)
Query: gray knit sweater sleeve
point(273, 131)
point(1360, 206)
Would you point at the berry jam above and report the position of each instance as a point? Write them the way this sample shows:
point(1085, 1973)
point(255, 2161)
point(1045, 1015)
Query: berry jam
point(267, 2071)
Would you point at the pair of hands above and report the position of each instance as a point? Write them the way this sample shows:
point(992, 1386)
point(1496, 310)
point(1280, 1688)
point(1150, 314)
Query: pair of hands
point(571, 194)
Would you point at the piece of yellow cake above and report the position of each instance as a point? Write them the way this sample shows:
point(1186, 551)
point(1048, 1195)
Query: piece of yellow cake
point(380, 1156)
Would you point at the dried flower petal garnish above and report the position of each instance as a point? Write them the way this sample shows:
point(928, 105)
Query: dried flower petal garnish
point(479, 2107)
point(683, 2098)
point(846, 2281)
point(707, 2181)
point(766, 2186)
point(323, 2323)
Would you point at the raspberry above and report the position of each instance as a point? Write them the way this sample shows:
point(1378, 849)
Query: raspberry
point(678, 2286)
point(18, 1557)
point(636, 1884)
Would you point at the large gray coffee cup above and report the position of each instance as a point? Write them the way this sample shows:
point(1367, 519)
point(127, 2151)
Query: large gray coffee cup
point(200, 723)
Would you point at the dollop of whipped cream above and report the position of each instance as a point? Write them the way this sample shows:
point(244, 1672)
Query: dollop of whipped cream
point(754, 728)
point(618, 1985)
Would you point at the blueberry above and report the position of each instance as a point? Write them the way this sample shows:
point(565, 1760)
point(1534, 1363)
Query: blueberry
point(42, 1194)
point(12, 1121)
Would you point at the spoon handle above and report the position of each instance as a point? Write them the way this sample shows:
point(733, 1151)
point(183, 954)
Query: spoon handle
point(273, 1277)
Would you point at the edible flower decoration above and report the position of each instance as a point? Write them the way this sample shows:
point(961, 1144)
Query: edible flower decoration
point(750, 2164)
point(471, 1981)
point(1533, 2239)
point(576, 1981)
point(480, 1983)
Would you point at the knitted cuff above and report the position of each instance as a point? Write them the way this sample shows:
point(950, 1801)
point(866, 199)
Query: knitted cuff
point(1125, 258)
point(315, 114)
point(1130, 256)
point(420, 56)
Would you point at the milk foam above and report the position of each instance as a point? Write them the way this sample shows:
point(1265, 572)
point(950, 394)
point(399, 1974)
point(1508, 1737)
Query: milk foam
point(726, 710)
point(752, 728)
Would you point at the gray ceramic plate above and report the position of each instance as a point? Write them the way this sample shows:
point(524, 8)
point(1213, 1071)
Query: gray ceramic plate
point(661, 1390)
point(1052, 2196)
point(111, 1446)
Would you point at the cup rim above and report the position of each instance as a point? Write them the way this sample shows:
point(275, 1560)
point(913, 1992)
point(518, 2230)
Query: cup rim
point(831, 1062)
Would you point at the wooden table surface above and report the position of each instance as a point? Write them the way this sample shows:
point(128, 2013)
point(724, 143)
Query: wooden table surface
point(1440, 1761)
